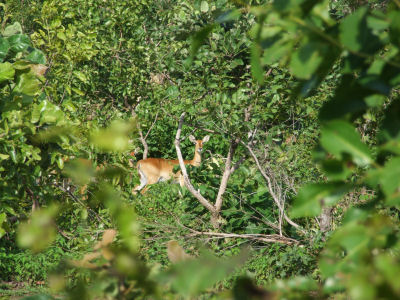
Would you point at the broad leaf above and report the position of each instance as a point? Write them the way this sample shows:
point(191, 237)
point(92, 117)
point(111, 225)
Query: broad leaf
point(37, 57)
point(39, 232)
point(6, 71)
point(340, 137)
point(355, 34)
point(12, 29)
point(314, 196)
point(196, 275)
point(4, 47)
point(19, 42)
point(389, 180)
point(28, 84)
point(306, 60)
point(198, 39)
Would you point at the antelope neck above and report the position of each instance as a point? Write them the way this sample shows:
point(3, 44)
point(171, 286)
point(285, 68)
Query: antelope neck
point(196, 158)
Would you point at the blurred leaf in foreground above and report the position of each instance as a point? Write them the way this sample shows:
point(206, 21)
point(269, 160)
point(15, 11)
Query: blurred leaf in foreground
point(39, 232)
point(189, 277)
point(114, 138)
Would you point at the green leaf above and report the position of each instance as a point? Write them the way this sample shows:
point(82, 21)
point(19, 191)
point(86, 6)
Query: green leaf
point(19, 42)
point(4, 156)
point(6, 71)
point(82, 77)
point(3, 218)
point(227, 16)
point(390, 128)
point(355, 34)
point(389, 180)
point(390, 267)
point(199, 39)
point(275, 48)
point(51, 116)
point(35, 113)
point(349, 100)
point(12, 29)
point(256, 67)
point(306, 60)
point(28, 84)
point(39, 233)
point(192, 276)
point(204, 6)
point(336, 169)
point(37, 57)
point(114, 138)
point(340, 137)
point(394, 27)
point(313, 196)
point(4, 47)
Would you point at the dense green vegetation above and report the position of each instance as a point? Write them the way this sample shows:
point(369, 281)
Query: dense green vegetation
point(297, 195)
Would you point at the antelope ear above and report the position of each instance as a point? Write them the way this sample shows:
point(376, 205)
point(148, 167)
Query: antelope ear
point(192, 139)
point(206, 138)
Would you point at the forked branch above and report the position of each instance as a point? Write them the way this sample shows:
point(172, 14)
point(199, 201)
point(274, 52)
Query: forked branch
point(188, 184)
point(271, 189)
point(213, 209)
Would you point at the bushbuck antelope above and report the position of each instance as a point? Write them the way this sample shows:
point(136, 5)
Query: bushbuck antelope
point(154, 170)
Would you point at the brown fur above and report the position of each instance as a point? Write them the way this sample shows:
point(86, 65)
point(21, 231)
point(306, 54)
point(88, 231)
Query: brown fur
point(153, 170)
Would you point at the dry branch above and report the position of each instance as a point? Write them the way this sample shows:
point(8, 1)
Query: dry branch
point(265, 238)
point(271, 190)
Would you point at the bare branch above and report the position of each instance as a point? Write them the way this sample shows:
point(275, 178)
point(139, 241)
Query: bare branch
point(265, 238)
point(152, 125)
point(237, 164)
point(144, 143)
point(271, 190)
point(226, 175)
point(76, 199)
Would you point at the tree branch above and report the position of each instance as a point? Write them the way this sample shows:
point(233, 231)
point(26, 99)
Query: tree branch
point(226, 175)
point(270, 188)
point(144, 143)
point(265, 238)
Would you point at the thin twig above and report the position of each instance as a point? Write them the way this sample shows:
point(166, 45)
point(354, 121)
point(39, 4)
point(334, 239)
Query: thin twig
point(76, 199)
point(271, 190)
point(265, 238)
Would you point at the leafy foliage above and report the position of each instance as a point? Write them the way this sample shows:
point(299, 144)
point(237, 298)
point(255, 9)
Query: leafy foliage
point(269, 81)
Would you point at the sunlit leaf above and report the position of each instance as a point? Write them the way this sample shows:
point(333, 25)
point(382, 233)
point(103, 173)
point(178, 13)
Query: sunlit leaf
point(306, 60)
point(37, 57)
point(39, 232)
point(115, 137)
point(28, 84)
point(6, 71)
point(193, 276)
point(12, 29)
point(312, 197)
point(339, 137)
point(204, 6)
